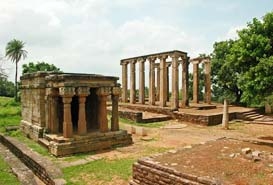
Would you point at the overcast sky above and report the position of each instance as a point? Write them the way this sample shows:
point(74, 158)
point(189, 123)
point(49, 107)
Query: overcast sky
point(91, 36)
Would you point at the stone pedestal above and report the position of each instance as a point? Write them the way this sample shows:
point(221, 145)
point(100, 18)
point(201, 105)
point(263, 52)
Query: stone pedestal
point(225, 115)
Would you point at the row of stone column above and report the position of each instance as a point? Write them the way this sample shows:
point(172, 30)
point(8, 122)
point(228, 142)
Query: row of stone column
point(207, 71)
point(82, 92)
point(162, 81)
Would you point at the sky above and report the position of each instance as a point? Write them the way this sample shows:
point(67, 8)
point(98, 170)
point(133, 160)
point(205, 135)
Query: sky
point(92, 36)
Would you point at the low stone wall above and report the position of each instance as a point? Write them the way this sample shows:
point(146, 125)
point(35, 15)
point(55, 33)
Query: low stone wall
point(130, 115)
point(91, 142)
point(32, 131)
point(207, 120)
point(148, 172)
point(42, 168)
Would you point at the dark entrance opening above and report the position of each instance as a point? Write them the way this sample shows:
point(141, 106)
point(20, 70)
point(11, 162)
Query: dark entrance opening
point(75, 112)
point(91, 108)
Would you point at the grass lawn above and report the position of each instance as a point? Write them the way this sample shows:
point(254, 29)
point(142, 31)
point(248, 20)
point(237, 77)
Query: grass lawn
point(100, 171)
point(147, 125)
point(9, 116)
point(103, 171)
point(6, 175)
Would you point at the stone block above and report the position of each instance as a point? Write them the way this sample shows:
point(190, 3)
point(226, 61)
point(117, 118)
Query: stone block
point(141, 131)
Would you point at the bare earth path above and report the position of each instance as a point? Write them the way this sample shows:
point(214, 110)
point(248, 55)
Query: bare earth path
point(173, 135)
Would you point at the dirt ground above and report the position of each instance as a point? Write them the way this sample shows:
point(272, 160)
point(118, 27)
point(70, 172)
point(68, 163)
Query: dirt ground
point(224, 161)
point(176, 135)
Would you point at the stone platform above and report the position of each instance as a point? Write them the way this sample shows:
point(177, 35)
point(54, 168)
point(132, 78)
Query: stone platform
point(203, 114)
point(223, 161)
point(140, 116)
point(60, 146)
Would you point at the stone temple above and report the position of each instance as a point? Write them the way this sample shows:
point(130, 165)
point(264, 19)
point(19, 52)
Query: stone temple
point(67, 112)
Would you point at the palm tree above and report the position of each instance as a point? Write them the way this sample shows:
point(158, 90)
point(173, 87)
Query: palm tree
point(14, 52)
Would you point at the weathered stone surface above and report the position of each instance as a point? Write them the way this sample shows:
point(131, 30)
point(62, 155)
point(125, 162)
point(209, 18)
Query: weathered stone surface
point(68, 107)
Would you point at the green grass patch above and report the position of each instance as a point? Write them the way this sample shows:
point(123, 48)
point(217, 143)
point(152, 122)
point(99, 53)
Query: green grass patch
point(6, 175)
point(10, 113)
point(100, 170)
point(29, 142)
point(236, 125)
point(148, 125)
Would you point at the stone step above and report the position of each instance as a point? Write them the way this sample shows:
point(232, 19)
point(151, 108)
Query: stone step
point(263, 122)
point(250, 112)
point(43, 142)
point(254, 116)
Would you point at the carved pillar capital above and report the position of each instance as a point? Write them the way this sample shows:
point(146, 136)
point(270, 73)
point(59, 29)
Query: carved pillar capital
point(103, 91)
point(151, 59)
point(67, 91)
point(52, 92)
point(83, 91)
point(116, 91)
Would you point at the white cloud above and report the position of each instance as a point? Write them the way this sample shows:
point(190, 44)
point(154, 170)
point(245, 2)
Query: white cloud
point(81, 36)
point(231, 33)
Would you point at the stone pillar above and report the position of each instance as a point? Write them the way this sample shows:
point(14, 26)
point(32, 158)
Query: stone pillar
point(167, 83)
point(184, 83)
point(67, 93)
point(124, 82)
point(51, 116)
point(195, 81)
point(141, 82)
point(115, 116)
point(163, 81)
point(152, 81)
point(175, 79)
point(83, 92)
point(225, 119)
point(267, 107)
point(207, 81)
point(133, 82)
point(157, 83)
point(102, 93)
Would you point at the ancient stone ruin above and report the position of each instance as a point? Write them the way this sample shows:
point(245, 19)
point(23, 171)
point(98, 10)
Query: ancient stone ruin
point(159, 86)
point(67, 111)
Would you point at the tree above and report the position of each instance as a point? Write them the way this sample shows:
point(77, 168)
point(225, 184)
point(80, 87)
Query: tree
point(243, 68)
point(39, 66)
point(15, 52)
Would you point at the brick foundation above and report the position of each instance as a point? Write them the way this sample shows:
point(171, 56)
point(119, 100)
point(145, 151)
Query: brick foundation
point(91, 142)
point(44, 169)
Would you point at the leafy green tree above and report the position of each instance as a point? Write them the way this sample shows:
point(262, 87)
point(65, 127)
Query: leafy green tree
point(242, 68)
point(15, 52)
point(6, 87)
point(39, 66)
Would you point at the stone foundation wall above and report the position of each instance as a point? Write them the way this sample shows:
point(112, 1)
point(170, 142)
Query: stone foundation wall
point(42, 168)
point(32, 131)
point(147, 172)
point(90, 142)
point(33, 98)
point(207, 120)
point(130, 115)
